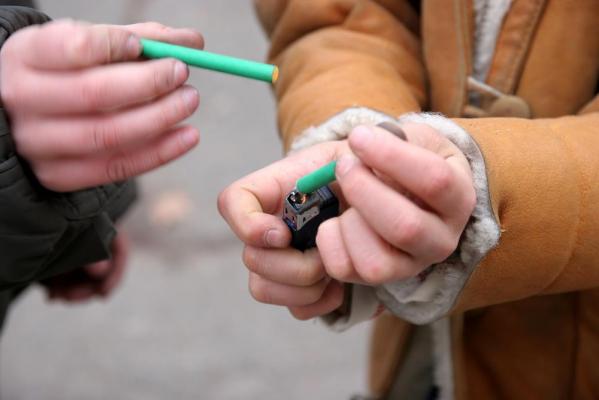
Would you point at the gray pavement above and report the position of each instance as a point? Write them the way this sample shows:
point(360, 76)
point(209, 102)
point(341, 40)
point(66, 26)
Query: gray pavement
point(182, 325)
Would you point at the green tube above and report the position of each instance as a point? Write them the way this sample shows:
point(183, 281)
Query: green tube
point(213, 61)
point(317, 179)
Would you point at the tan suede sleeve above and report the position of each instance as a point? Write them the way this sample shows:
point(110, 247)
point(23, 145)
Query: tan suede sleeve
point(336, 54)
point(544, 185)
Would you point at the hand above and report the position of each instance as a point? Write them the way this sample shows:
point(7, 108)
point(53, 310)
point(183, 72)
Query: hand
point(278, 274)
point(85, 110)
point(416, 229)
point(409, 203)
point(93, 280)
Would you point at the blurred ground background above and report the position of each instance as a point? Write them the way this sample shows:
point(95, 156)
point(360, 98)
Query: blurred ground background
point(183, 325)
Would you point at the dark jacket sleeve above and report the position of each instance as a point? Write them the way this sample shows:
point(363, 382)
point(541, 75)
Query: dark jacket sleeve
point(43, 233)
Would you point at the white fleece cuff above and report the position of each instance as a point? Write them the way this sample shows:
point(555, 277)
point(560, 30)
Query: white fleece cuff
point(364, 306)
point(420, 300)
point(339, 126)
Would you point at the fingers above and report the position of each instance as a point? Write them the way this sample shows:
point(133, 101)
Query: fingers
point(419, 170)
point(66, 44)
point(396, 219)
point(73, 294)
point(120, 254)
point(104, 133)
point(99, 269)
point(248, 207)
point(156, 31)
point(243, 212)
point(331, 299)
point(91, 172)
point(270, 292)
point(286, 266)
point(353, 252)
point(251, 205)
point(374, 260)
point(97, 279)
point(333, 252)
point(102, 89)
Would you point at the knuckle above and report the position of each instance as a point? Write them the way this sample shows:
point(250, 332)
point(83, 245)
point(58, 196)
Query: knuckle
point(163, 77)
point(309, 274)
point(105, 135)
point(340, 270)
point(440, 180)
point(115, 43)
point(118, 169)
point(158, 158)
point(91, 94)
point(251, 260)
point(163, 118)
point(300, 314)
point(156, 26)
point(224, 199)
point(260, 292)
point(314, 294)
point(407, 229)
point(376, 270)
point(251, 233)
point(80, 48)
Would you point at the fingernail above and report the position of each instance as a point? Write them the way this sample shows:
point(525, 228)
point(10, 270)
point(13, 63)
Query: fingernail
point(190, 97)
point(189, 137)
point(394, 129)
point(274, 238)
point(360, 137)
point(180, 72)
point(344, 164)
point(133, 46)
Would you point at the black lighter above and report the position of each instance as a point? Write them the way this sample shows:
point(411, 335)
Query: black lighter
point(303, 214)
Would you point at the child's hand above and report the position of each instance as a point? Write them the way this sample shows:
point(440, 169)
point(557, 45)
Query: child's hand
point(382, 236)
point(409, 203)
point(83, 113)
point(94, 280)
point(281, 275)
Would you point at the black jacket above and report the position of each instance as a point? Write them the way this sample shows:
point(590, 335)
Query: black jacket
point(43, 233)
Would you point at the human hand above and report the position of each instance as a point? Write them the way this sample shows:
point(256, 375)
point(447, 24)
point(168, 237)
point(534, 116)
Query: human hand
point(86, 111)
point(279, 274)
point(94, 280)
point(416, 198)
point(408, 205)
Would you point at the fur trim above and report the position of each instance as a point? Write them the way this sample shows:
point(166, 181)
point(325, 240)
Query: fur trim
point(421, 302)
point(489, 17)
point(364, 306)
point(339, 126)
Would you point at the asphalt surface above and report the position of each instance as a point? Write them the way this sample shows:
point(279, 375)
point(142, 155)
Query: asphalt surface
point(182, 325)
